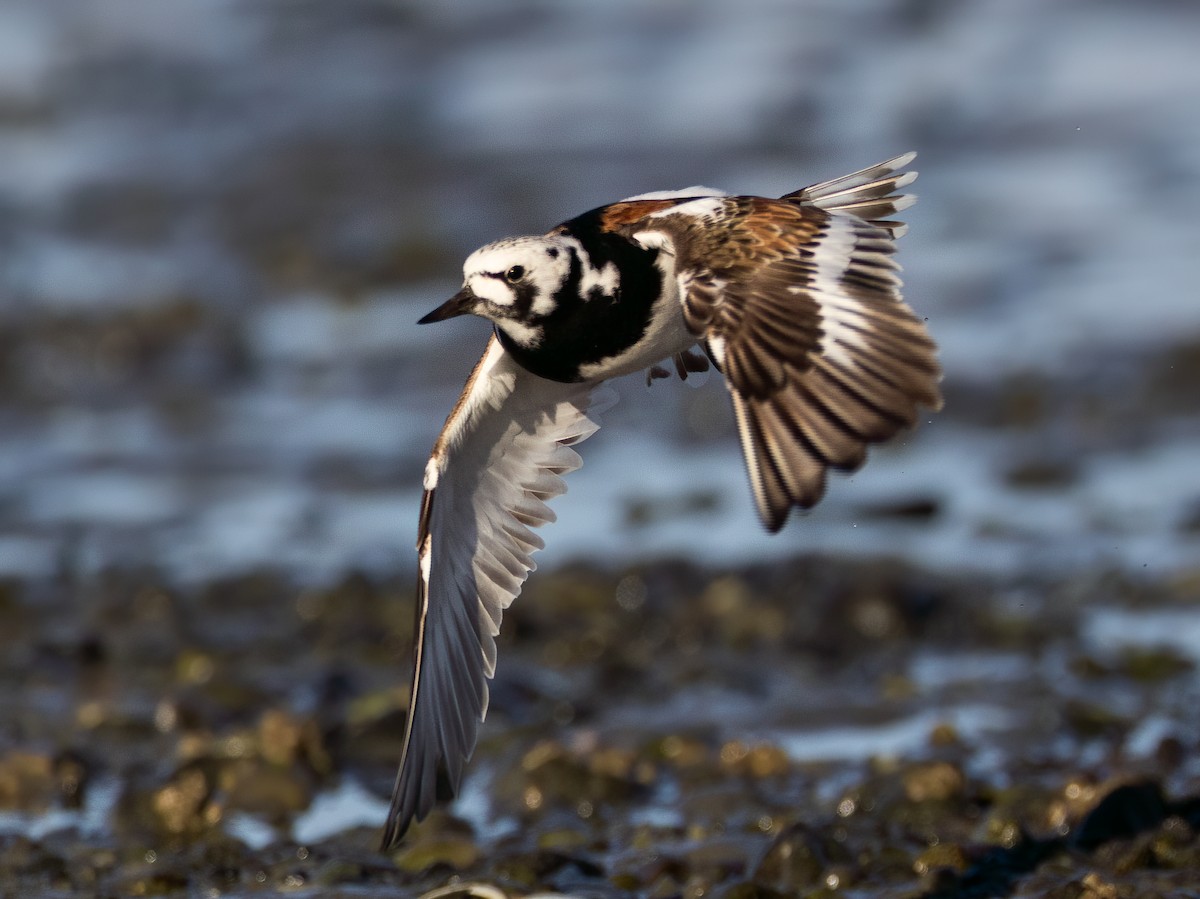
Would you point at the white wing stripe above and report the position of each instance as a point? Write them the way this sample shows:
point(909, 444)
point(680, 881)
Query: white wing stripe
point(500, 456)
point(832, 259)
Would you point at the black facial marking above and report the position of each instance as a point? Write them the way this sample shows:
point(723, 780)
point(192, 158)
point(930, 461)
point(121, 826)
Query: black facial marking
point(552, 252)
point(578, 331)
point(523, 296)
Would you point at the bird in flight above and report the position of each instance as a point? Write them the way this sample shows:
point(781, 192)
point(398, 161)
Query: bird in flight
point(796, 301)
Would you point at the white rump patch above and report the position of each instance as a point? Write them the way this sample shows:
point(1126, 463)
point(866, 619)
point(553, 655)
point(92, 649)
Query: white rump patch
point(695, 191)
point(701, 208)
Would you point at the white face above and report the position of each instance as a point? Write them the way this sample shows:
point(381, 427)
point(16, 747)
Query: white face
point(517, 278)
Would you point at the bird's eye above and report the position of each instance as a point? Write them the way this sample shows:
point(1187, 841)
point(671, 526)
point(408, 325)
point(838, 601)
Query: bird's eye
point(514, 274)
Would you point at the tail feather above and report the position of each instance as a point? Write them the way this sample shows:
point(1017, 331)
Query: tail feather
point(869, 193)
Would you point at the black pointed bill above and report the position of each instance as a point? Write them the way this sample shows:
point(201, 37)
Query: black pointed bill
point(461, 303)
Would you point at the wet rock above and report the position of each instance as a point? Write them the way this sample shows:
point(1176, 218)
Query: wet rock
point(563, 839)
point(281, 737)
point(1095, 887)
point(73, 774)
point(374, 617)
point(336, 871)
point(943, 855)
point(552, 775)
point(758, 761)
point(1089, 719)
point(943, 734)
point(680, 751)
point(748, 890)
point(285, 739)
point(723, 804)
point(219, 698)
point(718, 860)
point(273, 792)
point(185, 805)
point(1170, 753)
point(1148, 664)
point(934, 782)
point(1154, 664)
point(1176, 846)
point(738, 616)
point(578, 595)
point(927, 799)
point(799, 859)
point(545, 866)
point(25, 861)
point(28, 781)
point(876, 617)
point(1126, 811)
point(1014, 810)
point(164, 880)
point(1088, 886)
point(454, 852)
point(663, 874)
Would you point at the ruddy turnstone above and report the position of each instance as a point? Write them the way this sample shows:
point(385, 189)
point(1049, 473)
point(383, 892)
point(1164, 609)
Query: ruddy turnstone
point(795, 300)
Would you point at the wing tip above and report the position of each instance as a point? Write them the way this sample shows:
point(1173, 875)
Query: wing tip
point(394, 830)
point(403, 811)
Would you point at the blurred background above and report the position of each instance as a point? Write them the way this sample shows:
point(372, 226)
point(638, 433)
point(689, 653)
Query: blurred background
point(219, 221)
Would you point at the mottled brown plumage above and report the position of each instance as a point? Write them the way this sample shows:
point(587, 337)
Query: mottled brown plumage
point(767, 283)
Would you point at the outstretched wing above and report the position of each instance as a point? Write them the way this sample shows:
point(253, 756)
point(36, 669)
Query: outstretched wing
point(498, 460)
point(798, 302)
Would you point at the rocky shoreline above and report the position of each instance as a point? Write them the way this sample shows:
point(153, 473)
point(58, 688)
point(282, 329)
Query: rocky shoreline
point(809, 727)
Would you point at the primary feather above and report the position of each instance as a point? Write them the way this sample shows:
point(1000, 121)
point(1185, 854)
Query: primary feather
point(499, 459)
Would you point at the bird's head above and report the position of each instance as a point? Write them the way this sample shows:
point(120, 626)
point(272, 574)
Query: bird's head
point(514, 283)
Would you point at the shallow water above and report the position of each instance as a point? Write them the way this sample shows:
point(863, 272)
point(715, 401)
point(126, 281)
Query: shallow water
point(220, 221)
